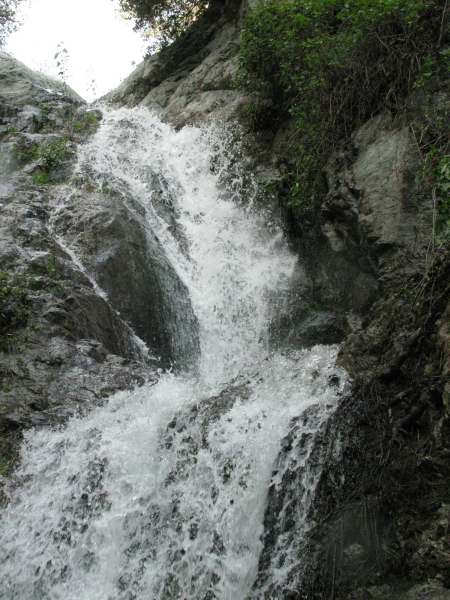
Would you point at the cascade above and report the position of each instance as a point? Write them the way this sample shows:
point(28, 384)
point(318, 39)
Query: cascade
point(161, 492)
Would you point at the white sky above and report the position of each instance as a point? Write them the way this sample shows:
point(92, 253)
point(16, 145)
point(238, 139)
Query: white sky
point(101, 46)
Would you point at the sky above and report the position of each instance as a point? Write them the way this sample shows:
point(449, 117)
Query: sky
point(102, 47)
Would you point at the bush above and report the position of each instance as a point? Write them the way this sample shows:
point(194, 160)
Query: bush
point(50, 154)
point(8, 18)
point(14, 306)
point(330, 65)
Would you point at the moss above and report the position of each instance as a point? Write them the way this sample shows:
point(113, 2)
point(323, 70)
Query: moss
point(5, 463)
point(41, 177)
point(27, 155)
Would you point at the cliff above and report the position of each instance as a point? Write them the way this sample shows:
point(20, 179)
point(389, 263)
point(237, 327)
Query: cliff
point(375, 279)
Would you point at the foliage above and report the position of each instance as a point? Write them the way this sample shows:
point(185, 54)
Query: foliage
point(53, 154)
point(42, 177)
point(49, 155)
point(330, 65)
point(14, 306)
point(434, 174)
point(62, 58)
point(164, 19)
point(431, 132)
point(8, 18)
point(87, 123)
point(26, 155)
point(442, 175)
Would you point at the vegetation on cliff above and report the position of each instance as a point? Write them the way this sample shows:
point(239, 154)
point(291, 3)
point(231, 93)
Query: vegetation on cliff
point(318, 70)
point(336, 83)
point(329, 65)
point(14, 306)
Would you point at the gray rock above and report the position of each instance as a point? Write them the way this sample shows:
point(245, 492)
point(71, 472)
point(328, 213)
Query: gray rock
point(433, 590)
point(69, 348)
point(110, 235)
point(192, 80)
point(20, 86)
point(354, 553)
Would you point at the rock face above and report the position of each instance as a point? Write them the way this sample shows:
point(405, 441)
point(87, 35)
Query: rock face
point(379, 510)
point(379, 506)
point(193, 78)
point(63, 344)
point(106, 229)
point(373, 277)
point(20, 86)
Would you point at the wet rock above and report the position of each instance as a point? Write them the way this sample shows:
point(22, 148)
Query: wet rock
point(370, 259)
point(68, 330)
point(376, 218)
point(295, 500)
point(433, 590)
point(376, 592)
point(110, 235)
point(63, 347)
point(305, 329)
point(443, 337)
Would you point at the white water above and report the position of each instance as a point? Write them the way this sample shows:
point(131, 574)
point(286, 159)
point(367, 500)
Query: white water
point(160, 494)
point(235, 267)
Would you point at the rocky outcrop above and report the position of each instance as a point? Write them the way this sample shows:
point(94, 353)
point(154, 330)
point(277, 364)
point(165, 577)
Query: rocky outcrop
point(193, 79)
point(63, 347)
point(66, 343)
point(21, 87)
point(106, 228)
point(381, 511)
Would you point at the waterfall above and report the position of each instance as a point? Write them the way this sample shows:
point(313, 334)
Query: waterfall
point(161, 493)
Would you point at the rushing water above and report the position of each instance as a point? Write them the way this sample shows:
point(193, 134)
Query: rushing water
point(160, 494)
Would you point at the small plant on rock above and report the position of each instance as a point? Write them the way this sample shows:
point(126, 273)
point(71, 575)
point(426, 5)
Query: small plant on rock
point(14, 306)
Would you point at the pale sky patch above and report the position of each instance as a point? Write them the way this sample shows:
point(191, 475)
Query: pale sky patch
point(101, 45)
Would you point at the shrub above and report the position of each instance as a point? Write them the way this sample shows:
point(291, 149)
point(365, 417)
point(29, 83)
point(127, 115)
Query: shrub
point(53, 153)
point(14, 306)
point(434, 176)
point(49, 154)
point(86, 123)
point(330, 65)
point(8, 18)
